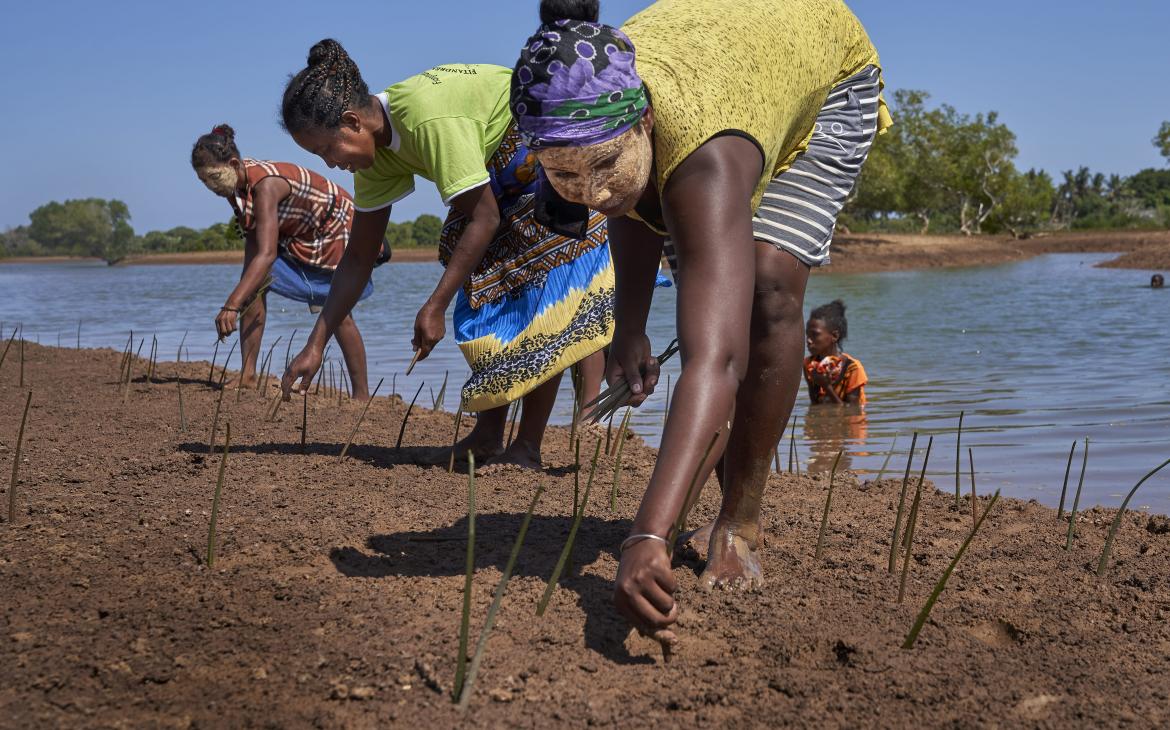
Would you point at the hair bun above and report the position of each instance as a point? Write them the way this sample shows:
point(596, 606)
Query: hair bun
point(326, 50)
point(553, 10)
point(225, 131)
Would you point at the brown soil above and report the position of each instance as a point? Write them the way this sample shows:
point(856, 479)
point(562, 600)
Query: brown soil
point(860, 253)
point(336, 595)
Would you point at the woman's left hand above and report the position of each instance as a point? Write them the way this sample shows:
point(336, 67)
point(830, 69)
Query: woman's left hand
point(226, 321)
point(429, 327)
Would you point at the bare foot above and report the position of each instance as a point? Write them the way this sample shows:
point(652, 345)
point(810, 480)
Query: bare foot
point(733, 562)
point(245, 383)
point(518, 455)
point(694, 544)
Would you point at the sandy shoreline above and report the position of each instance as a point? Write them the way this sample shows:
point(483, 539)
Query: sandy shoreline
point(336, 596)
point(851, 253)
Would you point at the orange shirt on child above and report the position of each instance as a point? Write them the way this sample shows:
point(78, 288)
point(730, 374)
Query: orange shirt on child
point(854, 378)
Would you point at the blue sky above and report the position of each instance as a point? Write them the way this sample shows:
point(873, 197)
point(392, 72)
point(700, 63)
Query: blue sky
point(105, 99)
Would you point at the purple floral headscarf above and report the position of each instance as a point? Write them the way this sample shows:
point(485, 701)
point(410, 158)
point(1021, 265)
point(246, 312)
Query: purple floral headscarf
point(575, 85)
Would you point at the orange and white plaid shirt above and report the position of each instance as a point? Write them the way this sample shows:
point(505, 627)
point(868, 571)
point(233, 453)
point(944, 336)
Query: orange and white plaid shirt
point(314, 220)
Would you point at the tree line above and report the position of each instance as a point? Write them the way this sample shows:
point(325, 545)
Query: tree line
point(98, 228)
point(937, 170)
point(941, 171)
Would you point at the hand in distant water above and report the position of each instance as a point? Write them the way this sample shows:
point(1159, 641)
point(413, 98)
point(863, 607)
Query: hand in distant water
point(303, 367)
point(630, 358)
point(644, 589)
point(429, 328)
point(226, 321)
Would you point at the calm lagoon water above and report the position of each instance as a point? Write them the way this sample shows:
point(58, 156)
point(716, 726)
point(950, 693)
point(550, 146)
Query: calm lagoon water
point(1037, 353)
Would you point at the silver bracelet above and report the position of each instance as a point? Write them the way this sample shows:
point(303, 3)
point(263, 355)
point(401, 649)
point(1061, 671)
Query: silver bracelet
point(639, 537)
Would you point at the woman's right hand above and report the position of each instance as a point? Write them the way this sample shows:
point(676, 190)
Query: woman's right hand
point(303, 367)
point(630, 358)
point(644, 589)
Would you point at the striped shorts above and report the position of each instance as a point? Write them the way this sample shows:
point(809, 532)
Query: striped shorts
point(800, 205)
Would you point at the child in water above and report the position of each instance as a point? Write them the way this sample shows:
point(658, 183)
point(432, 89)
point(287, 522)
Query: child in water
point(832, 375)
point(296, 226)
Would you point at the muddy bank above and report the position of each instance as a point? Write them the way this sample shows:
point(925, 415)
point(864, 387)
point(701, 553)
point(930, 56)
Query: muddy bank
point(860, 253)
point(336, 595)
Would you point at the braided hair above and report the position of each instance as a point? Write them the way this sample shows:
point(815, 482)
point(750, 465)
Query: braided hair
point(833, 315)
point(329, 85)
point(214, 148)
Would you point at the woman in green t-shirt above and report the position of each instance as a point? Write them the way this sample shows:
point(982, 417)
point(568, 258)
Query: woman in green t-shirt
point(528, 302)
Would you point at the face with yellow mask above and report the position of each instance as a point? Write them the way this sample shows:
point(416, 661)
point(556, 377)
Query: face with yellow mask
point(222, 179)
point(608, 177)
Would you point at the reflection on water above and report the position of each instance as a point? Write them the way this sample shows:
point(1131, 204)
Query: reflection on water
point(829, 428)
point(1037, 353)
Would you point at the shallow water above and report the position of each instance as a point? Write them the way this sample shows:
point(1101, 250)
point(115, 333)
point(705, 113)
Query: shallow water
point(1037, 353)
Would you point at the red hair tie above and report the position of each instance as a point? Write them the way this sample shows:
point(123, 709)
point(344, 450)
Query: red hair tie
point(221, 130)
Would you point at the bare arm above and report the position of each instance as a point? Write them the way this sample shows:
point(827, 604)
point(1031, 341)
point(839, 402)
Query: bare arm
point(708, 212)
point(259, 251)
point(636, 252)
point(365, 242)
point(483, 220)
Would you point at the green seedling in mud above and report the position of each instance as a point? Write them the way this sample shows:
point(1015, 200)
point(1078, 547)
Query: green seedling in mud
point(912, 522)
point(182, 414)
point(153, 355)
point(512, 422)
point(214, 354)
point(79, 334)
point(215, 417)
point(21, 360)
point(576, 473)
point(609, 435)
point(272, 409)
point(442, 392)
point(616, 396)
point(828, 504)
point(886, 462)
point(793, 457)
point(361, 418)
point(227, 441)
point(925, 462)
point(942, 582)
point(394, 385)
point(1072, 517)
point(680, 521)
point(304, 418)
point(974, 498)
point(263, 379)
point(901, 505)
point(497, 599)
point(465, 620)
point(413, 361)
point(405, 418)
point(617, 464)
point(288, 348)
point(16, 462)
point(1064, 487)
point(1108, 549)
point(568, 548)
point(227, 361)
point(179, 352)
point(344, 390)
point(958, 441)
point(7, 346)
point(455, 438)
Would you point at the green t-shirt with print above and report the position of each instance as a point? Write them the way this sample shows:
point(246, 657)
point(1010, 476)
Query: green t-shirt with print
point(446, 124)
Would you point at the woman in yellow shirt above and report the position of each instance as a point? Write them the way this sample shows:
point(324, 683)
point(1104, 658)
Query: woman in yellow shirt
point(736, 128)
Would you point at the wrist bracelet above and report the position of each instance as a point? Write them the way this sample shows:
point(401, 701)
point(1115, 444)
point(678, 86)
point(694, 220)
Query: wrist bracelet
point(639, 537)
point(237, 310)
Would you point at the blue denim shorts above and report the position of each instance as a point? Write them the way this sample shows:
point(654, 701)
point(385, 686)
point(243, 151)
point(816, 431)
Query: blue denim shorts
point(293, 280)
